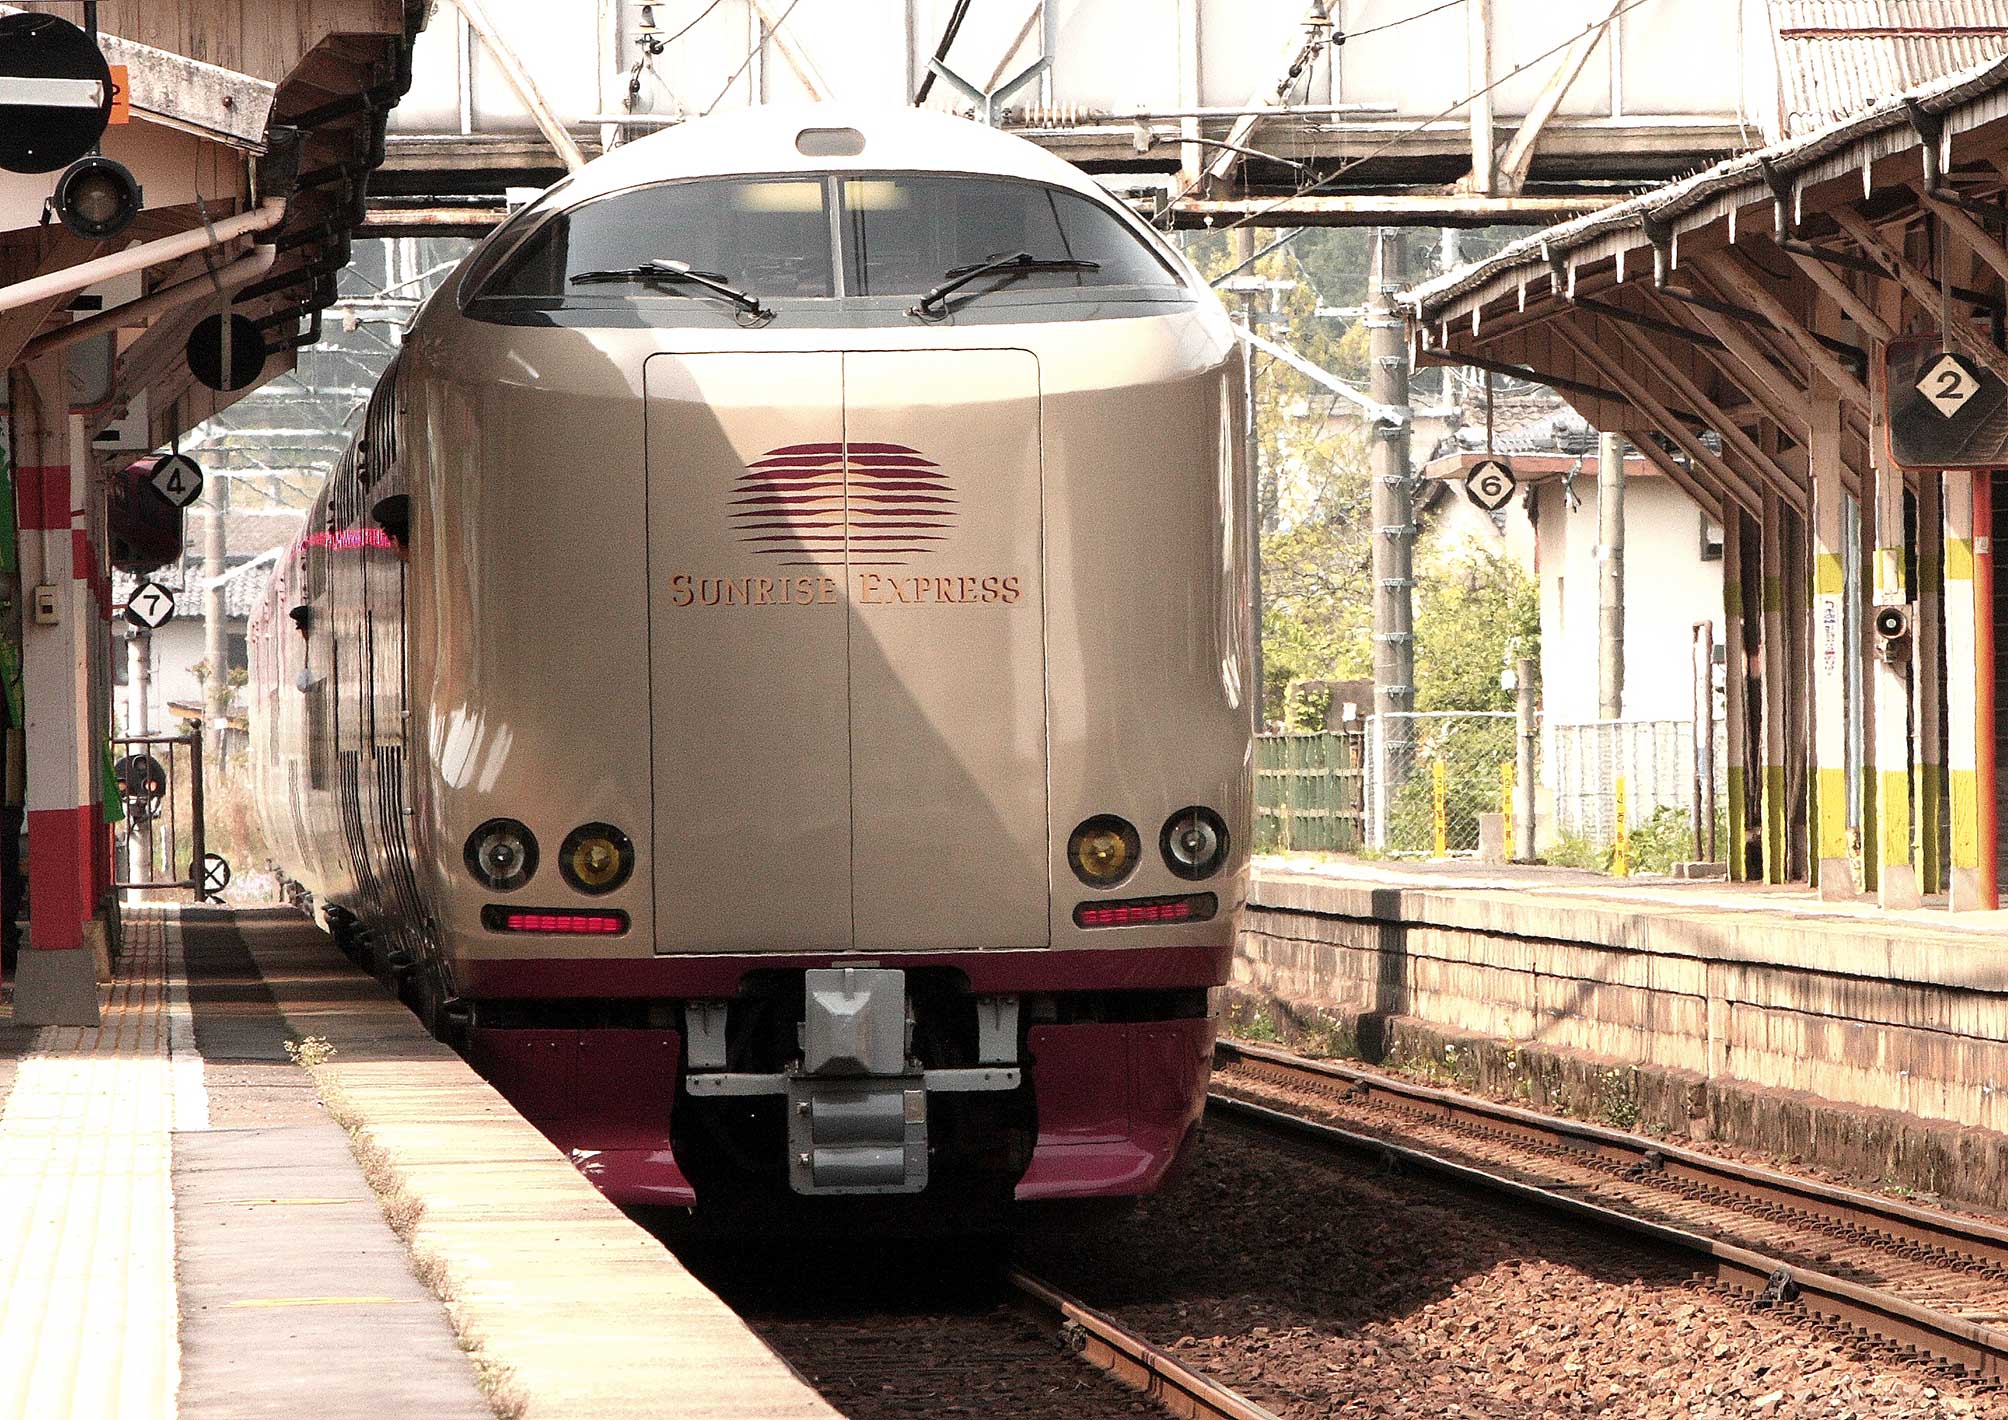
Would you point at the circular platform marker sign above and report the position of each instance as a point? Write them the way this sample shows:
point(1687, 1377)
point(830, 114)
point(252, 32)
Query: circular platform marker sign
point(215, 872)
point(247, 352)
point(1490, 484)
point(178, 479)
point(55, 93)
point(150, 607)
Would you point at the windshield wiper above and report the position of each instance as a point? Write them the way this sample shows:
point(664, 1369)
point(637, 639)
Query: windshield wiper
point(1019, 263)
point(679, 273)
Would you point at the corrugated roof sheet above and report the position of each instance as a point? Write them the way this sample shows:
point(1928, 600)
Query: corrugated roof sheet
point(1838, 57)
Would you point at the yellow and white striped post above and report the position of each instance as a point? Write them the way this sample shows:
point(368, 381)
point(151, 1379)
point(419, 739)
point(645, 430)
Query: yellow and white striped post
point(1439, 786)
point(1771, 621)
point(1506, 802)
point(1896, 874)
point(1621, 850)
point(1836, 874)
point(1971, 879)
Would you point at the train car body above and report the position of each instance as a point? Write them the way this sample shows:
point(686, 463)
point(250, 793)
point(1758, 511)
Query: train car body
point(796, 735)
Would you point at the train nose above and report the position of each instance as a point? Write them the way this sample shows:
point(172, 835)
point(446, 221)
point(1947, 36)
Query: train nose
point(846, 605)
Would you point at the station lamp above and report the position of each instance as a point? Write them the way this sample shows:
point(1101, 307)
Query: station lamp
point(96, 197)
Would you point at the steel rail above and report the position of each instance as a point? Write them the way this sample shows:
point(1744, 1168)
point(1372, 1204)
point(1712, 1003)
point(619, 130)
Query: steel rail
point(1982, 1350)
point(1102, 1342)
point(1797, 1196)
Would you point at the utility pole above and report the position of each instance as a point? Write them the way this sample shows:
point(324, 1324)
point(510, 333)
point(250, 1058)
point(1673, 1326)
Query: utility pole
point(1393, 508)
point(216, 641)
point(1610, 576)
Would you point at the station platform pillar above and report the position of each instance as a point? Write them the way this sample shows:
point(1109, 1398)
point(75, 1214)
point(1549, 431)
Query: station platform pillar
point(62, 620)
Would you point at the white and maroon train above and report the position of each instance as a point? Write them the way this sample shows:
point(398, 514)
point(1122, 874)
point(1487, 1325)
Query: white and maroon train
point(770, 678)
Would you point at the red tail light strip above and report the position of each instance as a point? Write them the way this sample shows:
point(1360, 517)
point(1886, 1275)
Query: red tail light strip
point(1144, 911)
point(553, 923)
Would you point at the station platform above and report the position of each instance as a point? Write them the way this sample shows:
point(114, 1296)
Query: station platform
point(192, 1224)
point(1874, 1042)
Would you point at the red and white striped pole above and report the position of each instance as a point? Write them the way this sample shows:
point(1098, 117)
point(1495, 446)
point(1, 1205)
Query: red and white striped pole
point(57, 982)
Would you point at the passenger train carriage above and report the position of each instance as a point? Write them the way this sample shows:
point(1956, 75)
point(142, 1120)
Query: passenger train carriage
point(770, 678)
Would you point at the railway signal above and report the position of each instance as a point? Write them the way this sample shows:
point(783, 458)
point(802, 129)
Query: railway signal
point(150, 607)
point(178, 479)
point(1490, 484)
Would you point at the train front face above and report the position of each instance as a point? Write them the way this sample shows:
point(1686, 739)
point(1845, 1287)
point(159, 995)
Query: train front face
point(835, 684)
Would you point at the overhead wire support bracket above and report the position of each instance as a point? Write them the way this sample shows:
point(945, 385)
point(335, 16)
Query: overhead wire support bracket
point(1384, 416)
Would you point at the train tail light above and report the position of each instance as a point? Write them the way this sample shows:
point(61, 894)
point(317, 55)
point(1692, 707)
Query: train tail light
point(1147, 911)
point(596, 858)
point(1103, 850)
point(552, 922)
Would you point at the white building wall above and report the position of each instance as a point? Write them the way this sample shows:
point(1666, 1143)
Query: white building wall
point(1669, 586)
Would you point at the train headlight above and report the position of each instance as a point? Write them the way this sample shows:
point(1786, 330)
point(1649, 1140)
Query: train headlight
point(502, 854)
point(1103, 850)
point(596, 857)
point(1194, 843)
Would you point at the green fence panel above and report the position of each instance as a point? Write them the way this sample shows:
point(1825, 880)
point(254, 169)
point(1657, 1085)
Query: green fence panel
point(1309, 792)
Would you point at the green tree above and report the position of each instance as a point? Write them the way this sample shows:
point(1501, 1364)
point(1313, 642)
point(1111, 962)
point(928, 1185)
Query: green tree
point(1476, 613)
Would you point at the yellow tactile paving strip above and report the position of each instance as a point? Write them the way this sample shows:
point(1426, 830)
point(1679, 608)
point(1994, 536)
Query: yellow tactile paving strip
point(87, 1300)
point(590, 1315)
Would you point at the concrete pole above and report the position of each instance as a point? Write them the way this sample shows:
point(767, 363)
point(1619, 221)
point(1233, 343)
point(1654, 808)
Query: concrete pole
point(1610, 576)
point(1836, 875)
point(215, 631)
point(1523, 757)
point(1393, 507)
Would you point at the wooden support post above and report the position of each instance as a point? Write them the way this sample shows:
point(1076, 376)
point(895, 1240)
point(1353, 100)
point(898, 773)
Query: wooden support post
point(1735, 684)
point(1927, 676)
point(1771, 621)
point(1970, 884)
point(1478, 41)
point(1835, 875)
point(1896, 873)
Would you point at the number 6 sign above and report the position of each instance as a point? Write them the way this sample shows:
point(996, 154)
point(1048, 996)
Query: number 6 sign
point(1490, 484)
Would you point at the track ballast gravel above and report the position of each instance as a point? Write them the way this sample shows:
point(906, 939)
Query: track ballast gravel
point(1322, 1287)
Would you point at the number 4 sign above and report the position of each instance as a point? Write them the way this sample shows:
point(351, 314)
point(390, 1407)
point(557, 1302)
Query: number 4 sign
point(177, 479)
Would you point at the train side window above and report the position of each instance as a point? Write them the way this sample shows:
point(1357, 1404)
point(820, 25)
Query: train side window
point(904, 232)
point(768, 236)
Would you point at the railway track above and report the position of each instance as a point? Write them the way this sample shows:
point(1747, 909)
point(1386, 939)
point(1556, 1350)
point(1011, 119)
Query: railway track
point(1102, 1342)
point(1915, 1277)
point(895, 1337)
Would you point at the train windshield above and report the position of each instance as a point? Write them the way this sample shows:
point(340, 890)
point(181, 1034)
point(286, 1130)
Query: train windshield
point(896, 236)
point(766, 236)
point(904, 233)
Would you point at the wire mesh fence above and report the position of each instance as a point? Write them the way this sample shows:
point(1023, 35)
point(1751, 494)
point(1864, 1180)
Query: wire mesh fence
point(1310, 792)
point(1654, 759)
point(1430, 774)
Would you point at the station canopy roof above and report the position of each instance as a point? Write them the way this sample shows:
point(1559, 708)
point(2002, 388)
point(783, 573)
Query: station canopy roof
point(1733, 302)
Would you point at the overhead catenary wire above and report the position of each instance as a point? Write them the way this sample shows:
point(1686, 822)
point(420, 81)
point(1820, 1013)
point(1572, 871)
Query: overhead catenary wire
point(1390, 142)
point(759, 45)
